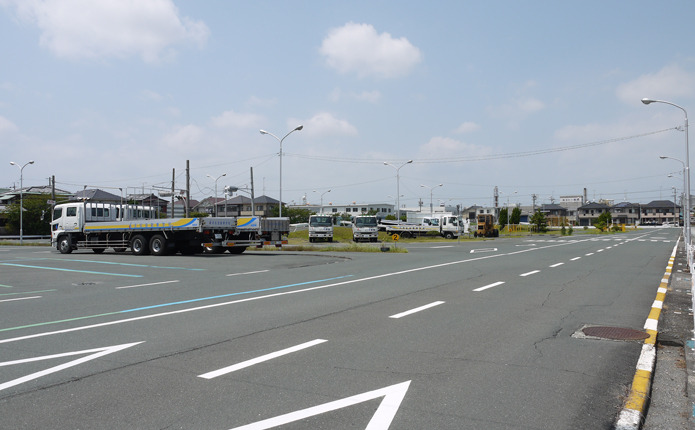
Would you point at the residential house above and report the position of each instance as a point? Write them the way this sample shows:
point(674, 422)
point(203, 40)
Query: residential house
point(658, 212)
point(625, 213)
point(588, 213)
point(555, 214)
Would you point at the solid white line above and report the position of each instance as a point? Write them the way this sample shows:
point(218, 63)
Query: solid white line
point(443, 246)
point(412, 311)
point(530, 273)
point(247, 273)
point(575, 258)
point(261, 359)
point(557, 264)
point(20, 298)
point(145, 285)
point(488, 286)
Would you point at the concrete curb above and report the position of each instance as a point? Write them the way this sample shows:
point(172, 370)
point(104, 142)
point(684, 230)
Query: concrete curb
point(632, 415)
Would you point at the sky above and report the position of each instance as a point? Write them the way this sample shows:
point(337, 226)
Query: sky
point(535, 98)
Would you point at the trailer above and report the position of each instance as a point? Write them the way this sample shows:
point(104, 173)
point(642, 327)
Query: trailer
point(447, 226)
point(99, 226)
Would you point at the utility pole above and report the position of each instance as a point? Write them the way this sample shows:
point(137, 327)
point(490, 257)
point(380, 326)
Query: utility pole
point(188, 186)
point(173, 186)
point(253, 203)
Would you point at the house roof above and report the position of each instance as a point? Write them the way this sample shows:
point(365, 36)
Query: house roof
point(96, 195)
point(626, 205)
point(660, 204)
point(553, 207)
point(594, 205)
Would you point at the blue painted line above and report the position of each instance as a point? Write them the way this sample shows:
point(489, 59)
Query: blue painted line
point(70, 270)
point(233, 294)
point(125, 264)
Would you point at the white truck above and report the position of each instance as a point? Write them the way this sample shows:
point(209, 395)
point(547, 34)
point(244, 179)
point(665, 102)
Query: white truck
point(320, 227)
point(364, 228)
point(98, 226)
point(448, 226)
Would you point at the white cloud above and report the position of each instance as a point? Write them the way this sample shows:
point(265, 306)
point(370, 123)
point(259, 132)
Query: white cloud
point(77, 29)
point(231, 119)
point(325, 124)
point(358, 48)
point(364, 96)
point(517, 110)
point(443, 147)
point(7, 126)
point(467, 127)
point(669, 82)
point(184, 138)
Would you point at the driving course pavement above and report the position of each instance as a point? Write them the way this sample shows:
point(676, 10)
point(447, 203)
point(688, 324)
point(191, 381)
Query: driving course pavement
point(453, 335)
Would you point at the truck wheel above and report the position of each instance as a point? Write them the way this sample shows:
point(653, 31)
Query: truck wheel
point(158, 245)
point(64, 245)
point(449, 235)
point(139, 245)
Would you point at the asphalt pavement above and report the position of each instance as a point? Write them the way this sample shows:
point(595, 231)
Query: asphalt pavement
point(673, 386)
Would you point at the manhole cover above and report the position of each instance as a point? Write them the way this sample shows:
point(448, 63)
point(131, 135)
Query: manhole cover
point(615, 333)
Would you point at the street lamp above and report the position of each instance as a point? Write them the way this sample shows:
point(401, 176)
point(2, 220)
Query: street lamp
point(663, 157)
point(686, 218)
point(431, 191)
point(210, 176)
point(21, 198)
point(398, 186)
point(280, 140)
point(322, 194)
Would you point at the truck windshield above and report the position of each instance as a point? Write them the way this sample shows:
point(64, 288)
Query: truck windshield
point(365, 222)
point(320, 221)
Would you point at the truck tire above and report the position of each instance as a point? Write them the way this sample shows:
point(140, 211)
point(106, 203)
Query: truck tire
point(139, 245)
point(64, 245)
point(158, 245)
point(449, 235)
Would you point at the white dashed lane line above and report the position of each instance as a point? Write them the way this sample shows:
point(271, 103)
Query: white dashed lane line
point(530, 273)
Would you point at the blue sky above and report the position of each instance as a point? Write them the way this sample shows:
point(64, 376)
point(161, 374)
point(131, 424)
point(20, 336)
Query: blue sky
point(533, 97)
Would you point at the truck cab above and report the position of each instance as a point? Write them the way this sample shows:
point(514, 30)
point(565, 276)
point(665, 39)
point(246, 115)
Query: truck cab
point(365, 228)
point(320, 227)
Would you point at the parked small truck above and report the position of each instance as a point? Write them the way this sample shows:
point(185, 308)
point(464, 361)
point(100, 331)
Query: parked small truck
point(447, 226)
point(364, 228)
point(98, 226)
point(320, 227)
point(486, 226)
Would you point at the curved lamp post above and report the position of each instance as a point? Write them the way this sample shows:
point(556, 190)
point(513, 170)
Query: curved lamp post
point(225, 199)
point(21, 198)
point(280, 140)
point(431, 191)
point(686, 218)
point(322, 194)
point(398, 186)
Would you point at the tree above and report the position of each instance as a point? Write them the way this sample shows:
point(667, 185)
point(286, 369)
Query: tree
point(516, 216)
point(603, 221)
point(296, 215)
point(36, 218)
point(502, 220)
point(539, 221)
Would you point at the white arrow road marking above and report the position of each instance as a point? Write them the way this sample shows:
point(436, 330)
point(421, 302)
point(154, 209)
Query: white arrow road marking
point(381, 420)
point(235, 367)
point(97, 352)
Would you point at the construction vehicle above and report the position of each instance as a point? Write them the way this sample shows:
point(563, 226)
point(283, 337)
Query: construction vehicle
point(486, 226)
point(98, 226)
point(447, 226)
point(320, 227)
point(364, 228)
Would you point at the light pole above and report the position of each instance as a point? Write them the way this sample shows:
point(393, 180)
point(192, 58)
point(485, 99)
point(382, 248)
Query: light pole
point(299, 127)
point(663, 157)
point(210, 176)
point(686, 218)
point(431, 191)
point(21, 198)
point(322, 194)
point(398, 186)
